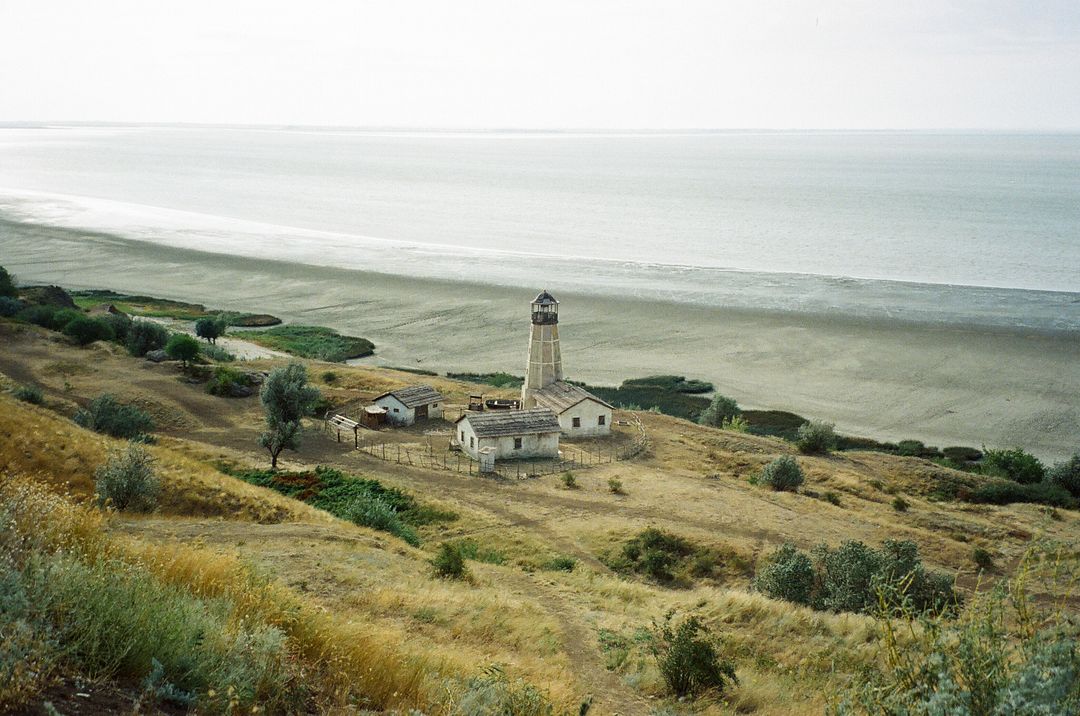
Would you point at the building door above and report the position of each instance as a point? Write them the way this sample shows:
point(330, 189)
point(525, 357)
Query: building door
point(421, 412)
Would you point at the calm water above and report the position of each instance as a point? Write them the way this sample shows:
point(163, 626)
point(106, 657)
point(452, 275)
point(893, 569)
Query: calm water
point(934, 227)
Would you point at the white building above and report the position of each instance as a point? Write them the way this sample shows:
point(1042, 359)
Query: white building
point(580, 413)
point(512, 433)
point(405, 406)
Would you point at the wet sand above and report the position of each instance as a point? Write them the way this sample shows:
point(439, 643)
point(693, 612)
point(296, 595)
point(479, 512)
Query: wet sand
point(885, 379)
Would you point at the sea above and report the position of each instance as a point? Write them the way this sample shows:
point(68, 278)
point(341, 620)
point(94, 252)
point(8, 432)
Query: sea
point(941, 227)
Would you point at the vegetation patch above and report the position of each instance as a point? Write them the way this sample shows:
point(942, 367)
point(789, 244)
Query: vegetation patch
point(164, 308)
point(106, 415)
point(316, 342)
point(676, 383)
point(359, 500)
point(690, 658)
point(673, 561)
point(498, 380)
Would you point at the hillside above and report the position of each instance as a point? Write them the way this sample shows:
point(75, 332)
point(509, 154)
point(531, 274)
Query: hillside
point(373, 628)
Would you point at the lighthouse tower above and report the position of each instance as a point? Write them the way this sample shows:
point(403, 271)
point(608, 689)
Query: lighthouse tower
point(545, 359)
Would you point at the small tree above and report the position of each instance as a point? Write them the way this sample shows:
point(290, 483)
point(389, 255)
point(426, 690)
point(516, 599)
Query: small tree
point(722, 409)
point(7, 284)
point(689, 657)
point(1066, 475)
point(145, 336)
point(815, 438)
point(1015, 464)
point(210, 328)
point(182, 347)
point(127, 480)
point(9, 306)
point(783, 473)
point(286, 398)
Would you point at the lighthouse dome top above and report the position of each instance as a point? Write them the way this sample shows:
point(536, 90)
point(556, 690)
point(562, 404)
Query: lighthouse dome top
point(544, 299)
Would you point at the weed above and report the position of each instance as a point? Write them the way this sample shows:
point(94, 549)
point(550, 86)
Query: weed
point(689, 657)
point(615, 486)
point(449, 562)
point(900, 504)
point(569, 481)
point(127, 480)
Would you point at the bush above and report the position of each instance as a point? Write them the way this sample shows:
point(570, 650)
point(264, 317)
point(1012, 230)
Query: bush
point(786, 574)
point(105, 415)
point(448, 562)
point(569, 481)
point(982, 558)
point(228, 383)
point(666, 558)
point(494, 695)
point(9, 307)
point(676, 383)
point(329, 377)
point(127, 480)
point(182, 347)
point(119, 324)
point(783, 473)
point(38, 315)
point(30, 394)
point(721, 409)
point(217, 353)
point(815, 438)
point(561, 564)
point(369, 510)
point(1006, 492)
point(7, 284)
point(832, 498)
point(689, 658)
point(1066, 475)
point(900, 504)
point(145, 336)
point(61, 317)
point(86, 330)
point(1015, 465)
point(615, 486)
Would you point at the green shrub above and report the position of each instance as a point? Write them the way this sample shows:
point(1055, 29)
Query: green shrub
point(982, 558)
point(315, 342)
point(721, 409)
point(61, 317)
point(665, 558)
point(227, 382)
point(1006, 492)
point(689, 658)
point(615, 486)
point(127, 481)
point(369, 510)
point(9, 307)
point(1066, 475)
point(561, 564)
point(786, 574)
point(471, 549)
point(210, 328)
point(815, 438)
point(145, 336)
point(498, 380)
point(329, 377)
point(783, 473)
point(900, 504)
point(215, 352)
point(7, 284)
point(675, 383)
point(1015, 465)
point(569, 481)
point(832, 498)
point(86, 330)
point(492, 694)
point(40, 315)
point(449, 563)
point(182, 347)
point(106, 415)
point(119, 324)
point(961, 455)
point(30, 394)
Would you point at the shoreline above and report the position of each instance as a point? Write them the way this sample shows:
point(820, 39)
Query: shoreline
point(887, 379)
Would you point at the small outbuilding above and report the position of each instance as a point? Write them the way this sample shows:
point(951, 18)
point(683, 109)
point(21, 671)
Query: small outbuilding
point(405, 406)
point(580, 413)
point(532, 433)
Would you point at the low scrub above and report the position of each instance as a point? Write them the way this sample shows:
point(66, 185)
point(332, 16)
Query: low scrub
point(493, 693)
point(127, 481)
point(85, 330)
point(1006, 492)
point(721, 410)
point(815, 438)
point(676, 383)
point(782, 474)
point(498, 380)
point(856, 578)
point(30, 393)
point(1066, 475)
point(317, 342)
point(671, 560)
point(145, 336)
point(106, 415)
point(363, 501)
point(228, 382)
point(449, 563)
point(690, 659)
point(214, 352)
point(471, 549)
point(1014, 464)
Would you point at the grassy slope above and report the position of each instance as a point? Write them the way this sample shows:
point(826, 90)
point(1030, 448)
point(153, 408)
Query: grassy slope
point(543, 626)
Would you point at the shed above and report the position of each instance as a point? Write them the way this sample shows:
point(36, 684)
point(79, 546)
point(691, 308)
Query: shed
point(373, 416)
point(513, 433)
point(580, 412)
point(405, 406)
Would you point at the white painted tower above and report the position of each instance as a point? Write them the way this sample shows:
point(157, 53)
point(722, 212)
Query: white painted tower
point(545, 359)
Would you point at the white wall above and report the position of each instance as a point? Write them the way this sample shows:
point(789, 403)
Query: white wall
point(544, 445)
point(396, 412)
point(589, 412)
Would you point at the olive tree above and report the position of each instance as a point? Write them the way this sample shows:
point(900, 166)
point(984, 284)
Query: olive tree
point(286, 398)
point(210, 328)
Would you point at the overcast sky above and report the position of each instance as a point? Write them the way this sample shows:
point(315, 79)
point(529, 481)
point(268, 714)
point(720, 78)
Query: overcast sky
point(1012, 64)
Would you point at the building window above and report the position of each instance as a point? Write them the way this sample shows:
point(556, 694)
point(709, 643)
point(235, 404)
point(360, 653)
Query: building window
point(472, 442)
point(577, 422)
point(434, 405)
point(602, 420)
point(517, 443)
point(395, 410)
point(462, 436)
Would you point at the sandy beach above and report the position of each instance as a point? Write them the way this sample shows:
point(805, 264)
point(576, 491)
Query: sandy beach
point(879, 378)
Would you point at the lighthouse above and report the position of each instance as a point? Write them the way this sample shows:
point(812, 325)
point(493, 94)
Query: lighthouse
point(545, 359)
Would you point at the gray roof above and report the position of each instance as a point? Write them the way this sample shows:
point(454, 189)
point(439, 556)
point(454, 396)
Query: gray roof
point(512, 422)
point(561, 396)
point(544, 298)
point(414, 395)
